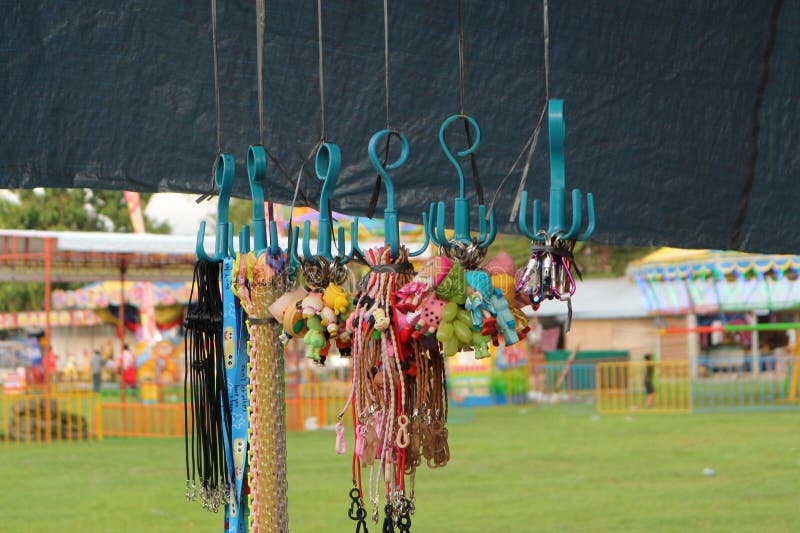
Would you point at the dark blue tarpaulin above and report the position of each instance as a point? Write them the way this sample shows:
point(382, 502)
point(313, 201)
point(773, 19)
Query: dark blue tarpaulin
point(682, 117)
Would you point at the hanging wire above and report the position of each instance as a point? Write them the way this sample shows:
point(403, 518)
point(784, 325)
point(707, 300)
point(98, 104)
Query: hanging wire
point(212, 189)
point(321, 73)
point(533, 139)
point(260, 22)
point(386, 60)
point(376, 191)
point(322, 135)
point(321, 121)
point(260, 42)
point(260, 28)
point(461, 55)
point(300, 177)
point(216, 75)
point(461, 89)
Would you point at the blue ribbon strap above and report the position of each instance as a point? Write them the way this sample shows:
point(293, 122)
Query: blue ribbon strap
point(234, 345)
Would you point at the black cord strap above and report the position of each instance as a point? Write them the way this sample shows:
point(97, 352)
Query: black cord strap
point(207, 387)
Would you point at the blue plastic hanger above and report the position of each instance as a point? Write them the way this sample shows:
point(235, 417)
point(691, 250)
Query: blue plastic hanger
point(557, 222)
point(390, 220)
point(327, 165)
point(224, 169)
point(257, 175)
point(462, 226)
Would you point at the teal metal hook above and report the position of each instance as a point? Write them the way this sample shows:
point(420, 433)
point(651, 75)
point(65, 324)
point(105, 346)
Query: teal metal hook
point(224, 169)
point(557, 222)
point(461, 223)
point(391, 224)
point(244, 239)
point(257, 175)
point(344, 256)
point(327, 164)
point(294, 259)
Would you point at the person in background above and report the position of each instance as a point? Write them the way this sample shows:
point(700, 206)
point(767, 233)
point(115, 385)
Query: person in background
point(128, 368)
point(96, 366)
point(649, 374)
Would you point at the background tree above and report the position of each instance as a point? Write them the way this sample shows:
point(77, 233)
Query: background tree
point(73, 210)
point(62, 209)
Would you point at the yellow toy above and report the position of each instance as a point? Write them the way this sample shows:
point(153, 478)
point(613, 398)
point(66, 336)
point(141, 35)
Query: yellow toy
point(335, 298)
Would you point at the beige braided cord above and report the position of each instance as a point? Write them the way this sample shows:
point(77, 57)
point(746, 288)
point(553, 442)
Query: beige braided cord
point(267, 480)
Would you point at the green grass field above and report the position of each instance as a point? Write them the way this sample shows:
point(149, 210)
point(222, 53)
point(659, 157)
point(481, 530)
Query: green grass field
point(512, 470)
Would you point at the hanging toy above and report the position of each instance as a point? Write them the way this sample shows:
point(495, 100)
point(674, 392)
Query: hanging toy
point(487, 310)
point(320, 311)
point(502, 273)
point(336, 298)
point(311, 305)
point(548, 273)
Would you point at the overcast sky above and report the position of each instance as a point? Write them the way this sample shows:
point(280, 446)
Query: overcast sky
point(181, 211)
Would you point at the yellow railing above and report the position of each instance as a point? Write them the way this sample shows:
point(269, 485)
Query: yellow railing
point(794, 381)
point(133, 419)
point(621, 387)
point(70, 416)
point(66, 416)
point(315, 403)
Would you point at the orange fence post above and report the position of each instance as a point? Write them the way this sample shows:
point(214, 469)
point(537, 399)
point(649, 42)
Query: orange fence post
point(70, 408)
point(6, 418)
point(300, 400)
point(48, 419)
point(98, 419)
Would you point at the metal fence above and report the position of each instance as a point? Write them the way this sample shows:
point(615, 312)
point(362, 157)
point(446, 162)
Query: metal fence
point(316, 403)
point(133, 419)
point(562, 382)
point(616, 387)
point(726, 386)
point(621, 387)
point(736, 385)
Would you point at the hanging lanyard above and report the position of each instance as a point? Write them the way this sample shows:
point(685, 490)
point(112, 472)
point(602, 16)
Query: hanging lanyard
point(234, 345)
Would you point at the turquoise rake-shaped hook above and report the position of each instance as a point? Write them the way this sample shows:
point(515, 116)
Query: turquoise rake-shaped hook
point(257, 175)
point(223, 177)
point(327, 164)
point(461, 225)
point(294, 237)
point(391, 223)
point(558, 225)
